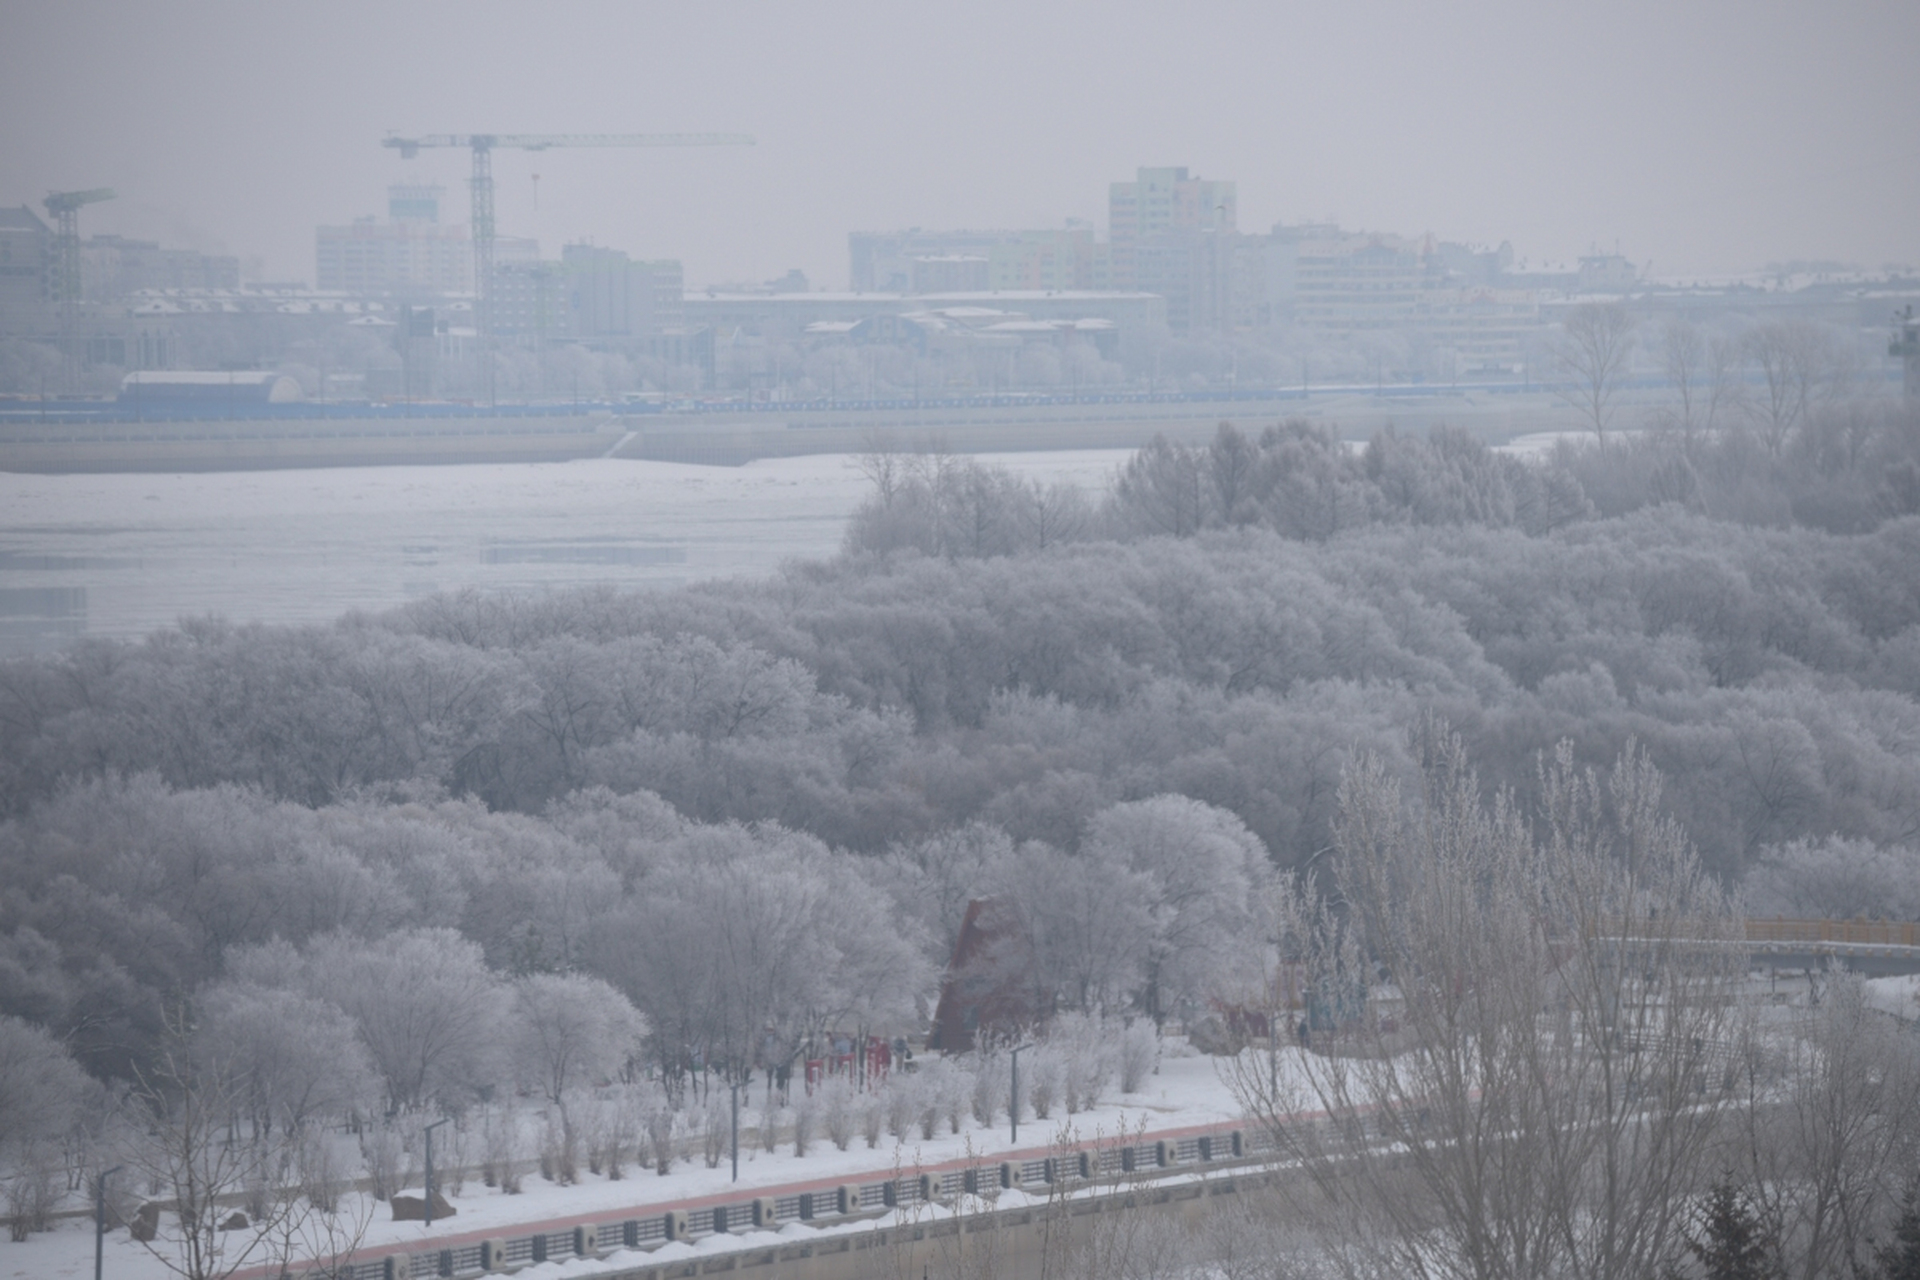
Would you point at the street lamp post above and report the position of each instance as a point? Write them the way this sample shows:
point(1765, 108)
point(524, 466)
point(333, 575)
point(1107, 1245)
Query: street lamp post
point(100, 1218)
point(1273, 1056)
point(1013, 1101)
point(736, 1131)
point(428, 1207)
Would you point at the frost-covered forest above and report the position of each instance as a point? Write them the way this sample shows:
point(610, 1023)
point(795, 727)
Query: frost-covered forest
point(989, 667)
point(717, 826)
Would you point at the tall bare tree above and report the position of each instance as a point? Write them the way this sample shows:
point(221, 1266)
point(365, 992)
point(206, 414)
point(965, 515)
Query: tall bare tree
point(190, 1144)
point(1592, 350)
point(1724, 389)
point(1802, 369)
point(1683, 355)
point(1521, 1030)
point(1831, 1131)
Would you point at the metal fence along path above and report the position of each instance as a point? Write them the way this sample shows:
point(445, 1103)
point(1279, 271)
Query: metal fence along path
point(820, 1200)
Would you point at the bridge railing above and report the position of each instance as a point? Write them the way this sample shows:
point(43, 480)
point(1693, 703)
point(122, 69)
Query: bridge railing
point(595, 1236)
point(1882, 933)
point(1774, 932)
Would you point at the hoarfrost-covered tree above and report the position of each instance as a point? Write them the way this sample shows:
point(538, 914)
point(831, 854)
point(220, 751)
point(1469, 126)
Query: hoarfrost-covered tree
point(744, 942)
point(1202, 871)
point(426, 1006)
point(933, 879)
point(40, 1085)
point(1090, 922)
point(1162, 490)
point(569, 1030)
point(880, 970)
point(41, 1092)
point(1532, 1021)
point(288, 1057)
point(1836, 879)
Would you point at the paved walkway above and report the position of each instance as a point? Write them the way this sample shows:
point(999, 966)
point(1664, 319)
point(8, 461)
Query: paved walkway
point(737, 1194)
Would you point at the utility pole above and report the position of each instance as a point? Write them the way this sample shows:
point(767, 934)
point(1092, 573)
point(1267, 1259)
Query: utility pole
point(736, 1132)
point(1013, 1100)
point(429, 1196)
point(100, 1218)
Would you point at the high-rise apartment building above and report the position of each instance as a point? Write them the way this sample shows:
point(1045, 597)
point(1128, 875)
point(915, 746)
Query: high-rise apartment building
point(1168, 200)
point(26, 247)
point(920, 261)
point(883, 261)
point(951, 273)
point(1069, 258)
point(1342, 283)
point(1173, 234)
point(611, 296)
point(592, 295)
point(112, 267)
point(411, 254)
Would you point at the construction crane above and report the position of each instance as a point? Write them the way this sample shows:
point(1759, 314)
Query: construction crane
point(64, 279)
point(480, 191)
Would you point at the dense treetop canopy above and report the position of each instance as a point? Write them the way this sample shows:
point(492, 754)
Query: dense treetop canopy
point(990, 676)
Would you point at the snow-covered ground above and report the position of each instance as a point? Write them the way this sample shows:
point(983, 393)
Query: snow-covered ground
point(1898, 996)
point(1188, 1090)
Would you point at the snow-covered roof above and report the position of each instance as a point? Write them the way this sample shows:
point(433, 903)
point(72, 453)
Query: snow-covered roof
point(21, 218)
point(249, 385)
point(1087, 325)
point(200, 378)
point(975, 296)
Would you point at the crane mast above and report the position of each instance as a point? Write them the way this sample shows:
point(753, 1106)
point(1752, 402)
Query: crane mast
point(480, 193)
point(64, 206)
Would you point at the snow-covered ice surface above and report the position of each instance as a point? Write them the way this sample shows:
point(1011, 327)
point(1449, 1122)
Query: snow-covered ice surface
point(119, 555)
point(122, 554)
point(1187, 1091)
point(1898, 996)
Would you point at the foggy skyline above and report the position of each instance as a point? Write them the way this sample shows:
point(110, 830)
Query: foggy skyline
point(1707, 139)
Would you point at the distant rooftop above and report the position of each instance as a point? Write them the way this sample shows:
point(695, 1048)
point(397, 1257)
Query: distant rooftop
point(979, 297)
point(21, 218)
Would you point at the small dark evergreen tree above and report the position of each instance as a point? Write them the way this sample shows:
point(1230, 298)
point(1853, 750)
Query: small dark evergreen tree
point(1899, 1259)
point(1731, 1244)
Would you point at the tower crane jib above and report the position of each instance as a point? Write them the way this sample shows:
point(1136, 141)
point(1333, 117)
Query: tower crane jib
point(480, 192)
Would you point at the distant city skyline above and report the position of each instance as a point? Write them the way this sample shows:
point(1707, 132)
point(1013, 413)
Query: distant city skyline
point(1713, 137)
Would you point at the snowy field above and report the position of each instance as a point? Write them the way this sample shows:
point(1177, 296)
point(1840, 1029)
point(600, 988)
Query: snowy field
point(1899, 996)
point(118, 555)
point(1187, 1090)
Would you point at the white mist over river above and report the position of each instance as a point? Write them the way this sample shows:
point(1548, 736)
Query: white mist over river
point(122, 554)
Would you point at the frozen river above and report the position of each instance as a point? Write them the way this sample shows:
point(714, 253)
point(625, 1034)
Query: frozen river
point(118, 555)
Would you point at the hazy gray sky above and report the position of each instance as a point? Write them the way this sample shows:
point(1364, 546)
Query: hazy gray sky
point(1711, 135)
